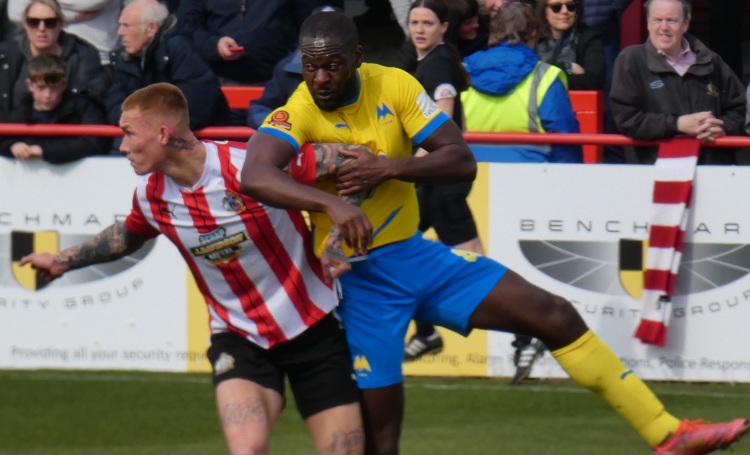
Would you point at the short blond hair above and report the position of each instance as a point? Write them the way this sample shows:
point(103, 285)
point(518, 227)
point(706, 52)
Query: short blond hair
point(160, 101)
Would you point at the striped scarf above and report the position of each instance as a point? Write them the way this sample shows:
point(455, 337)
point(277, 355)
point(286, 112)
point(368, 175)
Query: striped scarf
point(673, 185)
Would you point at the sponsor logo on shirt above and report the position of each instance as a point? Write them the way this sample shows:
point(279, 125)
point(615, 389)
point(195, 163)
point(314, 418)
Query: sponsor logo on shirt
point(426, 105)
point(219, 248)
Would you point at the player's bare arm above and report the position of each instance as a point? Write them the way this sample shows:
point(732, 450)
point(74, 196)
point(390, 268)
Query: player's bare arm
point(328, 161)
point(263, 179)
point(112, 243)
point(449, 160)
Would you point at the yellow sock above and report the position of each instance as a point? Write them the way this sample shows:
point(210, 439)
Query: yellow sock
point(592, 364)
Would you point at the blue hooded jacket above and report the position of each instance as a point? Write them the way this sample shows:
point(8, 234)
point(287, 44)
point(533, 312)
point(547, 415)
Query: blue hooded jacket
point(499, 69)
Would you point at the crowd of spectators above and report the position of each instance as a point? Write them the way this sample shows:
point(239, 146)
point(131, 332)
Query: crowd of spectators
point(110, 48)
point(113, 47)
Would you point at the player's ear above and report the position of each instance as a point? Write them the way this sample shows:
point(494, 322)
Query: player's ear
point(359, 56)
point(164, 135)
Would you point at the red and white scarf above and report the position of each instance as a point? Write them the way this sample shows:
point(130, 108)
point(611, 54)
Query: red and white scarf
point(673, 185)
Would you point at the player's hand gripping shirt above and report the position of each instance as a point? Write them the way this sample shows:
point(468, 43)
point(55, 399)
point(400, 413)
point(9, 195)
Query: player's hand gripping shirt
point(390, 110)
point(253, 263)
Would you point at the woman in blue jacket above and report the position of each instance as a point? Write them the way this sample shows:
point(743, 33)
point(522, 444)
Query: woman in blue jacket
point(512, 90)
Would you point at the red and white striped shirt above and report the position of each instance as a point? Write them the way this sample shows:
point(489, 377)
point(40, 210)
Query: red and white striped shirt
point(253, 263)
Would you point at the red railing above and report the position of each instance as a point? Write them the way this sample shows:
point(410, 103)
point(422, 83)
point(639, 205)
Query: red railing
point(241, 132)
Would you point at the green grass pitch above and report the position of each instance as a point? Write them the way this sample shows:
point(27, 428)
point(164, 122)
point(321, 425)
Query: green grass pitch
point(137, 413)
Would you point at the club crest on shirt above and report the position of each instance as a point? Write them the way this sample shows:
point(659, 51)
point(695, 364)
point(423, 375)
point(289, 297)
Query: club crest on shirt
point(281, 119)
point(224, 363)
point(383, 111)
point(233, 203)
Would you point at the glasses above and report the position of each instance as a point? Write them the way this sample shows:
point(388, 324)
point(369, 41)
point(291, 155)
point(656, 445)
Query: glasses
point(557, 7)
point(670, 22)
point(50, 22)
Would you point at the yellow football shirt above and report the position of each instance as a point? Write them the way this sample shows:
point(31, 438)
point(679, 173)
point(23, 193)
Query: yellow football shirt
point(390, 110)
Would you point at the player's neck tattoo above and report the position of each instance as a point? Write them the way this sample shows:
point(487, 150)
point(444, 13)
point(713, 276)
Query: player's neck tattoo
point(179, 143)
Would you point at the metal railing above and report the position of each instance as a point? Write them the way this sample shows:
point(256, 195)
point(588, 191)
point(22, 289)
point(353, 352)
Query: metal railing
point(243, 133)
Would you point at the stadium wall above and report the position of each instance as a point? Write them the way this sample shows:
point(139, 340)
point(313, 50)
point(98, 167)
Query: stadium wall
point(561, 226)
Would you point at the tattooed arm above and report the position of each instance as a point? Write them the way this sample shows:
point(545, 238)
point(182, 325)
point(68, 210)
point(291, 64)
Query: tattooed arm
point(110, 244)
point(328, 161)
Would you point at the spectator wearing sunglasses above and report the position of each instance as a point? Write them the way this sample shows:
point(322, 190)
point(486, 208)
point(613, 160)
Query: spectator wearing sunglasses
point(42, 24)
point(94, 21)
point(570, 45)
point(674, 85)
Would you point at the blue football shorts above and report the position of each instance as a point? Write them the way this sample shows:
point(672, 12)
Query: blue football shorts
point(413, 279)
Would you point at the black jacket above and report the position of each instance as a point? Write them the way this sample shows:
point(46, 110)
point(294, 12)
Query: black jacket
point(267, 29)
point(589, 53)
point(648, 96)
point(74, 109)
point(82, 62)
point(170, 58)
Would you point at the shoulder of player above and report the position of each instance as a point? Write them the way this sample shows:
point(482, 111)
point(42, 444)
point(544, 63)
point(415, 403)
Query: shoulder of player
point(392, 83)
point(374, 71)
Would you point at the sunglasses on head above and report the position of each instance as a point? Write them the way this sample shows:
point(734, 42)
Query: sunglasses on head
point(557, 7)
point(50, 22)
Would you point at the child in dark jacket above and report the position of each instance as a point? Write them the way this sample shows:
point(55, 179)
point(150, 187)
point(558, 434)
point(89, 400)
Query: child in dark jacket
point(49, 102)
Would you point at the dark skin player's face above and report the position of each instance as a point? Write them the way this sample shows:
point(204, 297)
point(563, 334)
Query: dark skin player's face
point(330, 71)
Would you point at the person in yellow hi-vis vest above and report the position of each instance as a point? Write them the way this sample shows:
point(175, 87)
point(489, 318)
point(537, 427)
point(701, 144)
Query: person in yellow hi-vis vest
point(512, 90)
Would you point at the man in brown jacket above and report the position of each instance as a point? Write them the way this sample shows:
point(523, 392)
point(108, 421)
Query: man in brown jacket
point(674, 85)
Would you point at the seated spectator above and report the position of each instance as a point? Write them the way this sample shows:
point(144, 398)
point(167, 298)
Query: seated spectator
point(93, 21)
point(512, 90)
point(287, 75)
point(674, 85)
point(153, 53)
point(242, 41)
point(50, 102)
point(42, 24)
point(472, 29)
point(570, 45)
